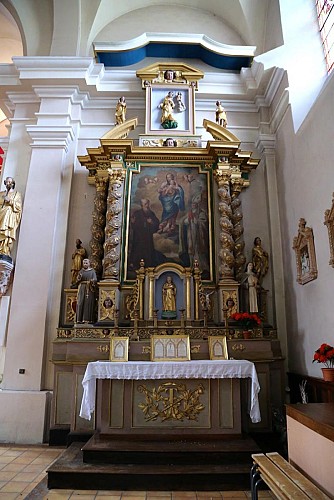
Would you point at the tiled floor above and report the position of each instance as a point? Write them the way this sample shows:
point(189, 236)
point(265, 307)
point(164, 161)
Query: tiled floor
point(23, 468)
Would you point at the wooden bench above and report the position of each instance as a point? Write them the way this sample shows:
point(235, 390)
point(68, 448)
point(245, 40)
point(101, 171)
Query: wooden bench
point(283, 479)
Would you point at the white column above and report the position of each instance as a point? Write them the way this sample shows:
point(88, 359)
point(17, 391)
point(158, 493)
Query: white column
point(36, 292)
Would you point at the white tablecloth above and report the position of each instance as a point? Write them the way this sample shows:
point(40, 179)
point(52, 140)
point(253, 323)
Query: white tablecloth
point(148, 370)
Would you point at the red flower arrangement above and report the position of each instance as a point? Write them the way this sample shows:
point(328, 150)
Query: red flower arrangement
point(246, 320)
point(325, 355)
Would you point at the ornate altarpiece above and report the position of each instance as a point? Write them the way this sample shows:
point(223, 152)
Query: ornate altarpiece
point(199, 246)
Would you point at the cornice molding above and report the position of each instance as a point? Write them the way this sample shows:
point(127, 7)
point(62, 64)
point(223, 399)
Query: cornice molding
point(50, 137)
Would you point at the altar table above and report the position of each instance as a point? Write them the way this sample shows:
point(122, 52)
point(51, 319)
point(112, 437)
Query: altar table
point(148, 370)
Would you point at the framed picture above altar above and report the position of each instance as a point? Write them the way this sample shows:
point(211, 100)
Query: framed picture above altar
point(170, 348)
point(218, 347)
point(119, 349)
point(168, 218)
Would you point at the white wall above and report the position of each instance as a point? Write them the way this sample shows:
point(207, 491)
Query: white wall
point(305, 184)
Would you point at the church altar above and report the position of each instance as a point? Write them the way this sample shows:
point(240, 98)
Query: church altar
point(142, 370)
point(167, 265)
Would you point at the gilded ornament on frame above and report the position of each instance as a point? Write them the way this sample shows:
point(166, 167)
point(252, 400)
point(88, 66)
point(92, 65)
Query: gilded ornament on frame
point(303, 245)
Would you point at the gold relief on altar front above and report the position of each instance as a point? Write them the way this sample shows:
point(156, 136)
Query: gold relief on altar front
point(171, 401)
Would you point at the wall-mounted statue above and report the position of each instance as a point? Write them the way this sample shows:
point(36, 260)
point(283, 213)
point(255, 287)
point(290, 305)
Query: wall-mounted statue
point(260, 260)
point(78, 256)
point(120, 113)
point(86, 298)
point(221, 117)
point(10, 215)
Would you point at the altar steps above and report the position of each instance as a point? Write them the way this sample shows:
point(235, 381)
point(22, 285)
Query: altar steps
point(118, 464)
point(167, 449)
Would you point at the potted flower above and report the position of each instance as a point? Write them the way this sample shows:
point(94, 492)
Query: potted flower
point(325, 355)
point(247, 322)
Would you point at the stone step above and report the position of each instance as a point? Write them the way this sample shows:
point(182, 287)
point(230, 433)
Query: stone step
point(71, 472)
point(168, 450)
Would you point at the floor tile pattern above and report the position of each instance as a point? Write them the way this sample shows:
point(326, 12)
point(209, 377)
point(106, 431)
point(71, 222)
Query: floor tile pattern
point(23, 476)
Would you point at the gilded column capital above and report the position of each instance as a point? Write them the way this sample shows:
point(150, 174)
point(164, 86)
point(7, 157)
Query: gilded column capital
point(237, 185)
point(117, 174)
point(101, 183)
point(223, 173)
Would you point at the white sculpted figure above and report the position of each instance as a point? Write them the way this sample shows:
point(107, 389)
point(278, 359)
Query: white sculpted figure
point(10, 215)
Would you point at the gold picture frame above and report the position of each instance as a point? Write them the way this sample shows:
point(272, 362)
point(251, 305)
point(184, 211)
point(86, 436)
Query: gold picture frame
point(329, 222)
point(303, 245)
point(170, 348)
point(218, 347)
point(119, 349)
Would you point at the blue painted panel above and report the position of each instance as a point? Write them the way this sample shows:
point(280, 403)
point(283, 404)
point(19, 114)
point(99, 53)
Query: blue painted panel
point(175, 51)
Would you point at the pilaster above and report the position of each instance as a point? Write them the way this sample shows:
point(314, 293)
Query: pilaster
point(266, 145)
point(44, 125)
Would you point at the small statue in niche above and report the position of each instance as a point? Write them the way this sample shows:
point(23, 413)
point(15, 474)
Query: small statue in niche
point(120, 112)
point(78, 256)
point(10, 215)
point(169, 299)
point(86, 297)
point(167, 106)
point(251, 284)
point(260, 260)
point(221, 117)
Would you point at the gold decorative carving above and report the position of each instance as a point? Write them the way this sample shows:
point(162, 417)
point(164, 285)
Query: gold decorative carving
point(131, 300)
point(219, 133)
point(238, 347)
point(194, 349)
point(230, 301)
point(169, 73)
point(122, 130)
point(329, 222)
point(107, 304)
point(303, 245)
point(113, 225)
point(103, 348)
point(238, 230)
point(98, 225)
point(71, 303)
point(226, 267)
point(171, 401)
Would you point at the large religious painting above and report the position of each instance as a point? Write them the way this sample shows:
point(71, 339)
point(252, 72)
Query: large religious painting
point(169, 218)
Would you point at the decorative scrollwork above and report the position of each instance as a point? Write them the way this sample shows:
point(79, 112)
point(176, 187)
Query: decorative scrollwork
point(171, 401)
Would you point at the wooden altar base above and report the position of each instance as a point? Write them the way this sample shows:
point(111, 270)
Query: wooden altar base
point(159, 464)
